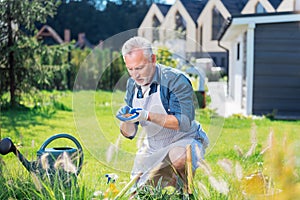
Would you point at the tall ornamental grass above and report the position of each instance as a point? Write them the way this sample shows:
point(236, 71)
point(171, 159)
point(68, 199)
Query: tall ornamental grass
point(252, 158)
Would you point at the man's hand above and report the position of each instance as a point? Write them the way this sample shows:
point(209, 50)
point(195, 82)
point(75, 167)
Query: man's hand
point(128, 114)
point(142, 115)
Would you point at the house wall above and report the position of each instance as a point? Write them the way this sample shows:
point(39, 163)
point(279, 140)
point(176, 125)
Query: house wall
point(236, 60)
point(251, 6)
point(168, 27)
point(297, 5)
point(205, 21)
point(276, 84)
point(289, 5)
point(286, 5)
point(146, 29)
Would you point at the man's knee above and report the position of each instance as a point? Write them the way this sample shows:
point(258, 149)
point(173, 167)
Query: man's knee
point(177, 157)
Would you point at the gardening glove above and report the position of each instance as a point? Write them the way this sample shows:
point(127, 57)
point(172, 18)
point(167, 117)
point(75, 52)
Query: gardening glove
point(137, 114)
point(142, 115)
point(126, 110)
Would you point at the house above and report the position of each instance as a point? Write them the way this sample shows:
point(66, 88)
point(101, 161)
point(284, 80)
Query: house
point(261, 6)
point(49, 35)
point(194, 25)
point(288, 5)
point(180, 26)
point(210, 22)
point(149, 27)
point(259, 43)
point(264, 64)
point(83, 42)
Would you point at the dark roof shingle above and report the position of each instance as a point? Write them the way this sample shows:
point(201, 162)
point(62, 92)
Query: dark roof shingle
point(164, 8)
point(234, 7)
point(194, 7)
point(275, 3)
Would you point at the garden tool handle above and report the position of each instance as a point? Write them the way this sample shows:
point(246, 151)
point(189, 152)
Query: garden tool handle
point(189, 169)
point(67, 136)
point(127, 186)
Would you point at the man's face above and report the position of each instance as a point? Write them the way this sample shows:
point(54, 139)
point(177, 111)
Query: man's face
point(141, 69)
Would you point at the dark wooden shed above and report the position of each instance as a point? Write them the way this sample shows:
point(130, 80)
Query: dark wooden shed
point(264, 66)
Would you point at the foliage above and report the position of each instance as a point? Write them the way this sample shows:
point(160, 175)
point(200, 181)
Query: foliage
point(17, 50)
point(31, 186)
point(165, 57)
point(220, 176)
point(46, 69)
point(100, 68)
point(113, 72)
point(158, 192)
point(98, 25)
point(51, 67)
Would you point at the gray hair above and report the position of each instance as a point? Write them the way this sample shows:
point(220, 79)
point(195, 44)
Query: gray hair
point(137, 43)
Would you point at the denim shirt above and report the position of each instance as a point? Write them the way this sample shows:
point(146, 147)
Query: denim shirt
point(176, 94)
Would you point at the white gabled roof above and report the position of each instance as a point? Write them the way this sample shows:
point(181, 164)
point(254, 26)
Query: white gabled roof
point(240, 23)
point(250, 6)
point(154, 10)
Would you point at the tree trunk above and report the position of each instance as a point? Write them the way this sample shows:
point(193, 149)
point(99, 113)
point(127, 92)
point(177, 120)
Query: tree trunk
point(11, 66)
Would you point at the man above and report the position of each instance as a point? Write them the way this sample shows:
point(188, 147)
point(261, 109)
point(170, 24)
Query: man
point(160, 100)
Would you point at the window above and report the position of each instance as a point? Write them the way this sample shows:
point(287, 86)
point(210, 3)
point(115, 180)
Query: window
point(223, 64)
point(217, 22)
point(155, 21)
point(238, 51)
point(180, 25)
point(215, 60)
point(155, 30)
point(201, 37)
point(259, 8)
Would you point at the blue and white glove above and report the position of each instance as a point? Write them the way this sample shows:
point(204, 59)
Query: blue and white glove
point(142, 115)
point(126, 110)
point(137, 114)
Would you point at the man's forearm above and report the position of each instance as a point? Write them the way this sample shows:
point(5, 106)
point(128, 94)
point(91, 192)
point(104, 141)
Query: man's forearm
point(128, 129)
point(166, 121)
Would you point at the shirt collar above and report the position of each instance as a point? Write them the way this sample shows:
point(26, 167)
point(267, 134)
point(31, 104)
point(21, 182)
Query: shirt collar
point(153, 85)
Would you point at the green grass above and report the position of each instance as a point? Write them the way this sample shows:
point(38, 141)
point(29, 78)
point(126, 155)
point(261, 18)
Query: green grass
point(89, 116)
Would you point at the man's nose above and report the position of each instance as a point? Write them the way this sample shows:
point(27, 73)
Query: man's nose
point(135, 74)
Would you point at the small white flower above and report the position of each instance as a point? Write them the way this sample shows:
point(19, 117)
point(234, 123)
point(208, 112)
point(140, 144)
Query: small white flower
point(98, 193)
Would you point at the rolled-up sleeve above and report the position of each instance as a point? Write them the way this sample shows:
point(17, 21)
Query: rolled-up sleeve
point(181, 103)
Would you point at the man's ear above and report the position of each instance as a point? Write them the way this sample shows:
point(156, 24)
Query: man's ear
point(153, 58)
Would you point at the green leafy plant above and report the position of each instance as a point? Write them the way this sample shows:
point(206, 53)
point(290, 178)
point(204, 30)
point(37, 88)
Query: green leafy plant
point(165, 57)
point(17, 49)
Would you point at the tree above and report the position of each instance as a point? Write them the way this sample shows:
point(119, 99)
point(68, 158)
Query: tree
point(98, 25)
point(16, 19)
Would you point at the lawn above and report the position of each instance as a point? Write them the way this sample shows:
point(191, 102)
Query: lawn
point(89, 116)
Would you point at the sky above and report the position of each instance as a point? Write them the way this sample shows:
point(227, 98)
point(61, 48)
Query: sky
point(170, 1)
